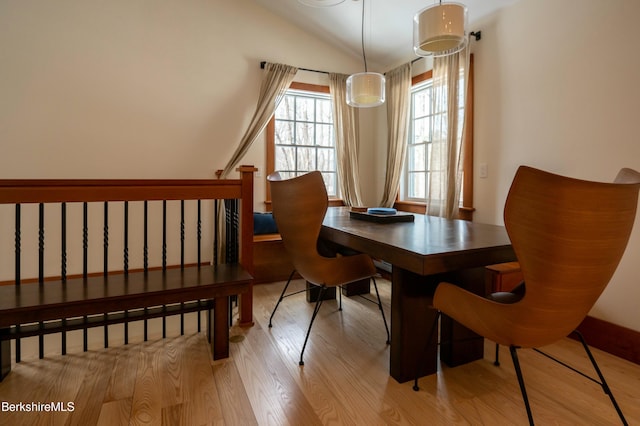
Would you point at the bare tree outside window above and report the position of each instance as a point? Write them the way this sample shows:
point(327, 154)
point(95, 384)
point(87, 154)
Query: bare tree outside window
point(418, 174)
point(304, 137)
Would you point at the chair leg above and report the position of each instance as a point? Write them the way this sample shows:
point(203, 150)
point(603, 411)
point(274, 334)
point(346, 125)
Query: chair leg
point(432, 332)
point(516, 365)
point(384, 319)
point(603, 382)
point(497, 361)
point(284, 290)
point(323, 289)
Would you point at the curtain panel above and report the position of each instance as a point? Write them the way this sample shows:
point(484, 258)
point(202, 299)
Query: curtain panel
point(450, 83)
point(275, 81)
point(398, 110)
point(345, 122)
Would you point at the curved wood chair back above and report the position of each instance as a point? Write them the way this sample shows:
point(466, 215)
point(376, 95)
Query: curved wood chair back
point(299, 206)
point(569, 236)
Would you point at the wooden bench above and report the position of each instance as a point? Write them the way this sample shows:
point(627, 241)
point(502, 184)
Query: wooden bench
point(44, 304)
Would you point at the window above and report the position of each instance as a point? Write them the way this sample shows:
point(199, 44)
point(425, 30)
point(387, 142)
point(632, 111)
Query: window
point(416, 173)
point(425, 113)
point(303, 135)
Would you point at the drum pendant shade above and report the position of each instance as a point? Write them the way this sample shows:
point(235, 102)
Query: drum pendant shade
point(440, 30)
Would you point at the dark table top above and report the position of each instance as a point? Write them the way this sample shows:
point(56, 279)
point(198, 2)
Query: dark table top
point(428, 245)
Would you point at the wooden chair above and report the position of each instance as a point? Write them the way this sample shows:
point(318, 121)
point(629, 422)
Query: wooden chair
point(625, 175)
point(569, 236)
point(299, 205)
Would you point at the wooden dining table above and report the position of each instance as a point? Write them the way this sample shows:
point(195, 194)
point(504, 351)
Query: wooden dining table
point(422, 253)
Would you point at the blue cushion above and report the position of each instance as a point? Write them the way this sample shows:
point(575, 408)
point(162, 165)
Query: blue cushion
point(263, 223)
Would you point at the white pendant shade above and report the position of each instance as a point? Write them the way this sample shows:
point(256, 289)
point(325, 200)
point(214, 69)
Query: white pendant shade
point(440, 30)
point(365, 89)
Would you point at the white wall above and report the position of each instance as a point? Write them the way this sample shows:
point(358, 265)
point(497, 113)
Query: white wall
point(557, 88)
point(139, 89)
point(135, 89)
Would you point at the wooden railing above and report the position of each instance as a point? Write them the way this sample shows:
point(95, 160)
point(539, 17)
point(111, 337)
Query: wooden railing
point(46, 224)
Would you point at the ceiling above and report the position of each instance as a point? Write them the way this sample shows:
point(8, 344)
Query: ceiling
point(388, 29)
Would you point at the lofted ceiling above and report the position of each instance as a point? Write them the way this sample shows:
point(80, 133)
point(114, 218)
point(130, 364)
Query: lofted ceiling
point(388, 28)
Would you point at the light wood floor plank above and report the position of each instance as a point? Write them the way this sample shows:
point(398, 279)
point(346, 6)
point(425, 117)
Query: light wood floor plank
point(122, 379)
point(275, 394)
point(90, 397)
point(115, 412)
point(236, 407)
point(147, 395)
point(344, 380)
point(202, 402)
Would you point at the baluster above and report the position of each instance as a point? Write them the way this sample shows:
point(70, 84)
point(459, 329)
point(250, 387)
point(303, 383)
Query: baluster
point(145, 253)
point(17, 271)
point(146, 258)
point(63, 266)
point(181, 234)
point(231, 242)
point(41, 243)
point(231, 225)
point(199, 239)
point(126, 265)
point(85, 261)
point(41, 270)
point(216, 232)
point(164, 261)
point(199, 233)
point(105, 265)
point(105, 244)
point(63, 241)
point(164, 235)
point(182, 260)
point(126, 238)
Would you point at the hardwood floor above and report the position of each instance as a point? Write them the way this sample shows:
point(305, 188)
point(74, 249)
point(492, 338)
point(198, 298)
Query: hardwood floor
point(344, 380)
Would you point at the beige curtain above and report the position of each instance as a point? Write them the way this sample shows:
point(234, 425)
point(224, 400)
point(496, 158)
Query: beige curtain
point(450, 77)
point(276, 80)
point(345, 123)
point(398, 96)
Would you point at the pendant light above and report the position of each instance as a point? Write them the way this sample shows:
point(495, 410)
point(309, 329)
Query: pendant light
point(365, 89)
point(440, 29)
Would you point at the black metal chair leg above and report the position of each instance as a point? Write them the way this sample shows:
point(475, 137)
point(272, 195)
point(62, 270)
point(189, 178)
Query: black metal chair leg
point(497, 361)
point(516, 365)
point(281, 296)
point(434, 327)
point(384, 319)
point(603, 382)
point(321, 293)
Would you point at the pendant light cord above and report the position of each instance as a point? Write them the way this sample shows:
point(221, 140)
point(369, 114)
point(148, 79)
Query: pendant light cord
point(364, 56)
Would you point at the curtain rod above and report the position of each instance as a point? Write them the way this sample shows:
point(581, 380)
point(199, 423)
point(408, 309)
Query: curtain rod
point(263, 63)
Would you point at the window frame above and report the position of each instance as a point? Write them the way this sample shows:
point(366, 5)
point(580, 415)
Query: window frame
point(466, 210)
point(271, 142)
